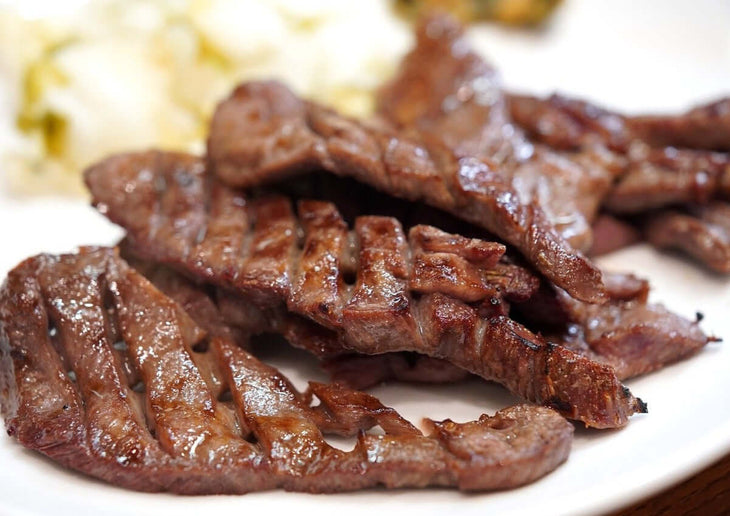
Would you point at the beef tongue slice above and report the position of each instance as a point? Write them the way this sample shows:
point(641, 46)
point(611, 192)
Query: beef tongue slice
point(700, 231)
point(703, 127)
point(426, 291)
point(649, 173)
point(448, 93)
point(466, 159)
point(67, 321)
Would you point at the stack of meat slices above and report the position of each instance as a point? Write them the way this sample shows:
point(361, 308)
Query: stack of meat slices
point(672, 172)
point(105, 373)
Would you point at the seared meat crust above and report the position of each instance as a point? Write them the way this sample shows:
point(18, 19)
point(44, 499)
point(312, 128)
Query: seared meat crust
point(463, 157)
point(407, 294)
point(69, 322)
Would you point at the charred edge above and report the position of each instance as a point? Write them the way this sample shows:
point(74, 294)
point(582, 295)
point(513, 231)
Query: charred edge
point(549, 348)
point(560, 405)
point(641, 406)
point(525, 341)
point(699, 316)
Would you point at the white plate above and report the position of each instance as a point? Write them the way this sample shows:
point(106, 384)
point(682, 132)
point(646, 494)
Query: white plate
point(665, 55)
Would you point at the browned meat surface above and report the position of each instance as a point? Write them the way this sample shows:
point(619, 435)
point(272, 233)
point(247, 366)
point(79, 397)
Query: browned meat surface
point(703, 232)
point(611, 234)
point(376, 288)
point(67, 320)
point(568, 124)
point(244, 320)
point(449, 94)
point(704, 127)
point(633, 336)
point(655, 178)
point(625, 333)
point(459, 154)
point(648, 177)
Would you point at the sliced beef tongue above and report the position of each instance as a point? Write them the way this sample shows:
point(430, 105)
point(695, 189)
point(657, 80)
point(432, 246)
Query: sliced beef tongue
point(406, 293)
point(648, 176)
point(703, 127)
point(65, 394)
point(633, 336)
point(219, 313)
point(570, 124)
point(702, 232)
point(493, 177)
point(655, 178)
point(447, 93)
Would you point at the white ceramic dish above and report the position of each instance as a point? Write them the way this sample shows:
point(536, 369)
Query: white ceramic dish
point(662, 56)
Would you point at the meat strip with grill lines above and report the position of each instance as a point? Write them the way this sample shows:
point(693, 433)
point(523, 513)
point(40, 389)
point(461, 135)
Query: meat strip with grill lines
point(472, 163)
point(625, 333)
point(66, 322)
point(446, 92)
point(634, 336)
point(408, 293)
point(649, 177)
point(245, 320)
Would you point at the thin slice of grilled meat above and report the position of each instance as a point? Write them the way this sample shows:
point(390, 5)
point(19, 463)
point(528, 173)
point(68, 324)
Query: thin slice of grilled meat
point(655, 178)
point(209, 308)
point(649, 176)
point(448, 93)
point(376, 288)
point(611, 234)
point(703, 127)
point(634, 336)
point(65, 321)
point(531, 198)
point(702, 232)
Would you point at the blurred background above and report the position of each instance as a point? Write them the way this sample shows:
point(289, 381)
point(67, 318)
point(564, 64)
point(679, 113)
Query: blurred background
point(81, 79)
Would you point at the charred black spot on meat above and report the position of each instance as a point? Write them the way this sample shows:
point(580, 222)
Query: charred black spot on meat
point(525, 341)
point(18, 355)
point(560, 405)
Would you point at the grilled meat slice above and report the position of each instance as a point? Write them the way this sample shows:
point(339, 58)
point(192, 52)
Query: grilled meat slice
point(611, 234)
point(566, 123)
point(448, 93)
point(634, 336)
point(209, 309)
point(702, 232)
point(648, 177)
point(703, 127)
point(67, 319)
point(655, 178)
point(399, 301)
point(489, 175)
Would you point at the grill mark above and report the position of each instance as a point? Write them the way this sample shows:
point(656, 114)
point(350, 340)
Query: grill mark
point(207, 450)
point(266, 272)
point(316, 290)
point(381, 290)
point(183, 409)
point(75, 300)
